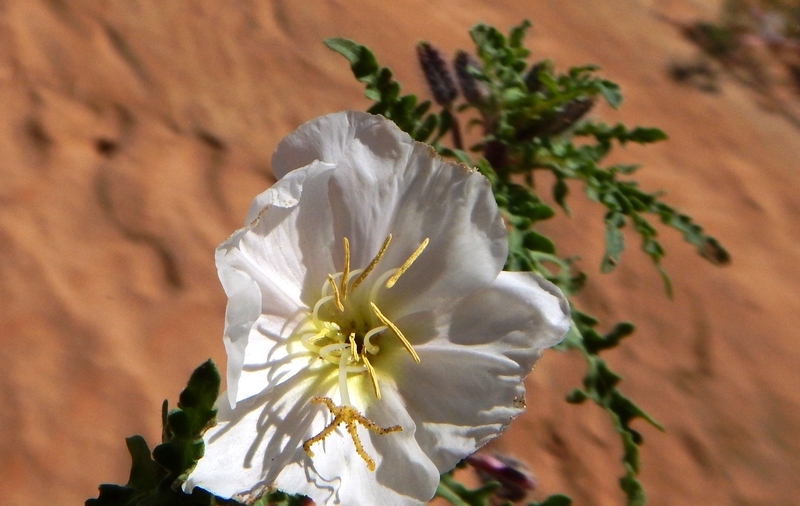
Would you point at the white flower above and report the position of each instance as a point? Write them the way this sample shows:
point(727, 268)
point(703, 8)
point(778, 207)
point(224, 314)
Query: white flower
point(373, 340)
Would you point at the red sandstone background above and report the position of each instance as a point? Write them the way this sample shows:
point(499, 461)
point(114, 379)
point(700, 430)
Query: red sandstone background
point(133, 135)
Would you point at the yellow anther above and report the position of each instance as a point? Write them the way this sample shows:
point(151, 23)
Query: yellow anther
point(403, 268)
point(346, 270)
point(397, 332)
point(350, 417)
point(372, 264)
point(371, 374)
point(337, 297)
point(310, 338)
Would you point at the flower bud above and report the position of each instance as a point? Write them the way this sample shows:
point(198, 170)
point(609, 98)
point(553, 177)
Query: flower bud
point(515, 478)
point(557, 122)
point(474, 91)
point(569, 115)
point(437, 74)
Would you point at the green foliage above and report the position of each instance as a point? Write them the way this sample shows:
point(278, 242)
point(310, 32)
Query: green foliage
point(533, 119)
point(155, 478)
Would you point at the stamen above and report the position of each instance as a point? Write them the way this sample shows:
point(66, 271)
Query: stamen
point(353, 347)
point(397, 332)
point(308, 342)
point(346, 270)
point(337, 297)
point(372, 264)
point(328, 350)
point(368, 346)
point(373, 292)
point(320, 302)
point(403, 268)
point(371, 374)
point(349, 416)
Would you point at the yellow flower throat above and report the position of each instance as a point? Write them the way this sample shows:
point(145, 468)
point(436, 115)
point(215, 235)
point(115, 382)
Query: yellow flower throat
point(343, 329)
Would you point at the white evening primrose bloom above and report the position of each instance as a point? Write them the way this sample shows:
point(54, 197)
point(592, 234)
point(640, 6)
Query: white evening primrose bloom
point(373, 340)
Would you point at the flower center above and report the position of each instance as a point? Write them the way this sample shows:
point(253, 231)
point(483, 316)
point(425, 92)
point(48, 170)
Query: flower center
point(345, 328)
point(345, 325)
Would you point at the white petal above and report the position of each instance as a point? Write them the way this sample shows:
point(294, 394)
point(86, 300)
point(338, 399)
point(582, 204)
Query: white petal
point(468, 386)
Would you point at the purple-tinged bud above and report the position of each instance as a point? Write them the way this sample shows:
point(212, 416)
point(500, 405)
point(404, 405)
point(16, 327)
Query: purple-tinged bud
point(474, 91)
point(713, 251)
point(569, 115)
point(515, 478)
point(558, 122)
point(496, 153)
point(437, 74)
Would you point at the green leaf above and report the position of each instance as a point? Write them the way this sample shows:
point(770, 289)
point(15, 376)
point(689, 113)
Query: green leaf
point(517, 34)
point(560, 192)
point(611, 93)
point(615, 241)
point(145, 473)
point(362, 61)
point(646, 135)
point(554, 500)
point(535, 241)
point(633, 490)
point(426, 128)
